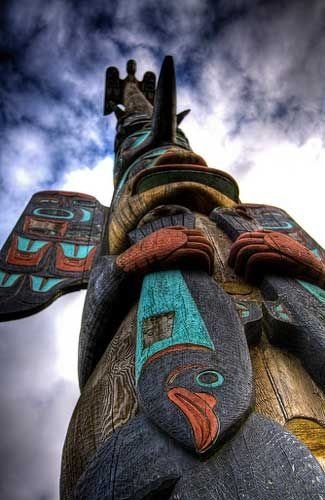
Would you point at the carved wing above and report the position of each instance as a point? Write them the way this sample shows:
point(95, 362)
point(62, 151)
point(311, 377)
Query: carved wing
point(294, 310)
point(50, 251)
point(114, 88)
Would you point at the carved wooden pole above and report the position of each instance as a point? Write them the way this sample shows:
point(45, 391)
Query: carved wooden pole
point(203, 335)
point(167, 402)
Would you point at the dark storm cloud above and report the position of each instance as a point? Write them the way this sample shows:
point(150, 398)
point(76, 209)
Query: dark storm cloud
point(252, 72)
point(268, 70)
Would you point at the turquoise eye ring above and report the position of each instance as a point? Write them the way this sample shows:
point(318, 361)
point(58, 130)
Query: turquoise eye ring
point(219, 379)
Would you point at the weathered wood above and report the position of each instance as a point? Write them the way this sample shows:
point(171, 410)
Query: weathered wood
point(285, 392)
point(311, 434)
point(240, 470)
point(107, 402)
point(294, 319)
point(130, 209)
point(109, 298)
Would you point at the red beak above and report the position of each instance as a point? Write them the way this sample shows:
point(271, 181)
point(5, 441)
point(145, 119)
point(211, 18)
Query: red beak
point(198, 409)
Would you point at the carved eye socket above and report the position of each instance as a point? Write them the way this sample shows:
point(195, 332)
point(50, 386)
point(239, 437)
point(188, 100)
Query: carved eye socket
point(209, 378)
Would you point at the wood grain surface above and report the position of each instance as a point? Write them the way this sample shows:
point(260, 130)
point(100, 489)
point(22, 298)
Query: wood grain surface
point(107, 402)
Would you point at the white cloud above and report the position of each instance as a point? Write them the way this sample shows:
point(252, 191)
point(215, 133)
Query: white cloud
point(96, 181)
point(25, 158)
point(292, 178)
point(67, 326)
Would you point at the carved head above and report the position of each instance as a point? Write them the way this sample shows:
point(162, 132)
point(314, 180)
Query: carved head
point(193, 370)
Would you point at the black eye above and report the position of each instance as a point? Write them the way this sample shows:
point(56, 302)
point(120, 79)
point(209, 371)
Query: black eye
point(209, 378)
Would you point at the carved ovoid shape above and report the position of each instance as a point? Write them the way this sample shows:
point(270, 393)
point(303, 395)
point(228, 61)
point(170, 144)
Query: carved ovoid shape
point(194, 376)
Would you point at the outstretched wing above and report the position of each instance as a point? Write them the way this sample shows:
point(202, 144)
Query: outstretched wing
point(114, 88)
point(50, 251)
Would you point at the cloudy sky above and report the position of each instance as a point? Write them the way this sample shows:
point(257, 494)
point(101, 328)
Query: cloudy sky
point(253, 74)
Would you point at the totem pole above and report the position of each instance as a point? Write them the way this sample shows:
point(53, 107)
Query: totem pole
point(203, 331)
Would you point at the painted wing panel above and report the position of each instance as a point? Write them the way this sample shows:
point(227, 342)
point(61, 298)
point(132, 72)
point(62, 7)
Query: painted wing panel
point(50, 251)
point(294, 310)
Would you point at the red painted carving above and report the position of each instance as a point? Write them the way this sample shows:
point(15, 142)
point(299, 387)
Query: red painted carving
point(21, 258)
point(198, 409)
point(66, 193)
point(167, 248)
point(177, 347)
point(46, 227)
point(64, 263)
point(258, 252)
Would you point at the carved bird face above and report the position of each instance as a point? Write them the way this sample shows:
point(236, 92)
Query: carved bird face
point(192, 396)
point(193, 371)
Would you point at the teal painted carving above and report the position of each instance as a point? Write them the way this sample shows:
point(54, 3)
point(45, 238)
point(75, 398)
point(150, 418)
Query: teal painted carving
point(281, 312)
point(86, 215)
point(33, 248)
point(41, 284)
point(278, 224)
point(316, 252)
point(53, 213)
point(8, 280)
point(76, 251)
point(139, 138)
point(148, 158)
point(162, 293)
point(242, 310)
point(209, 378)
point(30, 246)
point(315, 290)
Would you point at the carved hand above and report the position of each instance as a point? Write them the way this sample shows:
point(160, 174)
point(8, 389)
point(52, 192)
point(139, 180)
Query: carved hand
point(167, 248)
point(256, 253)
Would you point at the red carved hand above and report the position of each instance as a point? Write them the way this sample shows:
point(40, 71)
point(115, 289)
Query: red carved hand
point(167, 248)
point(256, 253)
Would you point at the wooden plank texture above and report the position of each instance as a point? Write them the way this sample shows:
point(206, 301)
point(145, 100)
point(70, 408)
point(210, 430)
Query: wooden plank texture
point(107, 402)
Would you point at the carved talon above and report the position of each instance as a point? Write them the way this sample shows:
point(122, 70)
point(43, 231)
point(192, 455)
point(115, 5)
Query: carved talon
point(256, 253)
point(166, 248)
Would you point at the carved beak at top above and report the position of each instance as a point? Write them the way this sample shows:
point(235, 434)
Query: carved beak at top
point(198, 407)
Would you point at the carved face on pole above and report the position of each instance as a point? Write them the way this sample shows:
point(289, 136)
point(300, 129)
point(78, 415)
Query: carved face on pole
point(193, 376)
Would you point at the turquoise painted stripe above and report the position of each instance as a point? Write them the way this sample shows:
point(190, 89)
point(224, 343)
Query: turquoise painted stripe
point(34, 247)
point(285, 225)
point(281, 313)
point(49, 284)
point(82, 252)
point(316, 253)
point(139, 140)
point(315, 290)
point(163, 292)
point(53, 213)
point(86, 215)
point(11, 280)
point(153, 154)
